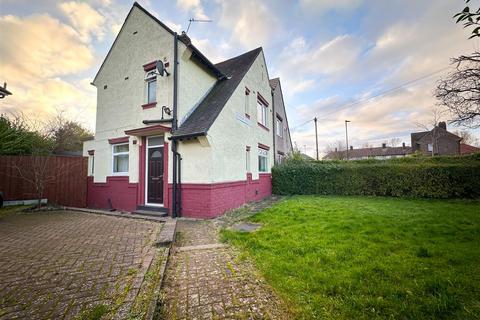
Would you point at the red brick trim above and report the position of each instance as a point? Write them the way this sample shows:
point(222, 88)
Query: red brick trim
point(262, 126)
point(91, 152)
point(263, 146)
point(118, 140)
point(149, 105)
point(150, 66)
point(145, 131)
point(262, 99)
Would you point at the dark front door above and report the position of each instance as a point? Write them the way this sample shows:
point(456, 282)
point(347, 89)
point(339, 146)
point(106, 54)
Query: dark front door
point(155, 175)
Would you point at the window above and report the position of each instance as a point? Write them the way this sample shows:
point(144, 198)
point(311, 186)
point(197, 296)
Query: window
point(120, 158)
point(247, 160)
point(262, 160)
point(92, 164)
point(151, 82)
point(262, 111)
point(247, 101)
point(279, 127)
point(430, 147)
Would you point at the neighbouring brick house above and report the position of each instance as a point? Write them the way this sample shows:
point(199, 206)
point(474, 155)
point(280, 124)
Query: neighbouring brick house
point(438, 141)
point(176, 133)
point(380, 153)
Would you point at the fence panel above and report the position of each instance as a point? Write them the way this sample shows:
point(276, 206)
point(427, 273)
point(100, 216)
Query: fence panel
point(63, 178)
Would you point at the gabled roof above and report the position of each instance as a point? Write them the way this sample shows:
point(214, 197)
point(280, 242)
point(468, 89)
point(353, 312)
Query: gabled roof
point(183, 38)
point(437, 131)
point(202, 118)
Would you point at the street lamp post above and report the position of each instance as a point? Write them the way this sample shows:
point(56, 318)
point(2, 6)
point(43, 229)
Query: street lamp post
point(346, 134)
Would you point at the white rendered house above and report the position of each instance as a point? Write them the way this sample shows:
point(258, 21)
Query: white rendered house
point(174, 132)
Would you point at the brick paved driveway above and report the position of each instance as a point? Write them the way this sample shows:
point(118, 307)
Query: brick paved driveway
point(60, 265)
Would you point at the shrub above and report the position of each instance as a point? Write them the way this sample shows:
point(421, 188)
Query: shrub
point(437, 177)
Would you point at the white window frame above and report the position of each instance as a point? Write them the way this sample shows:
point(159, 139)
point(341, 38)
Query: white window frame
point(147, 146)
point(262, 153)
point(430, 147)
point(114, 154)
point(151, 76)
point(92, 165)
point(247, 161)
point(279, 128)
point(262, 112)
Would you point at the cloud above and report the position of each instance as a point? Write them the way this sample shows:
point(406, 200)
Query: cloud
point(194, 6)
point(36, 52)
point(251, 22)
point(321, 6)
point(87, 21)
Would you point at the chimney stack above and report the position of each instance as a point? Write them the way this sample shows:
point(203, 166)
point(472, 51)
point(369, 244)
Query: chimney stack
point(336, 150)
point(443, 125)
point(403, 145)
point(384, 145)
point(351, 147)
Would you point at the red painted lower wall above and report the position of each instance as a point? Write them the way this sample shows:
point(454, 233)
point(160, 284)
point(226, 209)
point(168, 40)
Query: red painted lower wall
point(198, 200)
point(212, 200)
point(122, 194)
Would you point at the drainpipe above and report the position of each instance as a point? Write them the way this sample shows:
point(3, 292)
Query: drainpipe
point(174, 124)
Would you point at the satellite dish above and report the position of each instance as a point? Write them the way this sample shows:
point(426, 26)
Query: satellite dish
point(160, 68)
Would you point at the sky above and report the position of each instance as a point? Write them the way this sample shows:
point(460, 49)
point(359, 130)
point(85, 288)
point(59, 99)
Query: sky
point(373, 62)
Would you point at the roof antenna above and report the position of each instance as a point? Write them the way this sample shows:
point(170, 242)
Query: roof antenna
point(196, 20)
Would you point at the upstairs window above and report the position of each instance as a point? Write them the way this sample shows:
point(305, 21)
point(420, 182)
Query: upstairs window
point(120, 158)
point(262, 112)
point(279, 128)
point(151, 87)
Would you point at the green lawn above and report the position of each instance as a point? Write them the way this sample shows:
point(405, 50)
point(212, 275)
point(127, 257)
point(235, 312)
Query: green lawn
point(370, 258)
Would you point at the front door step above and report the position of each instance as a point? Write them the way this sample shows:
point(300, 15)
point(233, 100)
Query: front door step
point(151, 211)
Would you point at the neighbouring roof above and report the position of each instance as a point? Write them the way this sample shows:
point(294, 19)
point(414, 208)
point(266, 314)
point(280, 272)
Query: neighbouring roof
point(202, 118)
point(438, 131)
point(370, 152)
point(467, 149)
point(274, 83)
point(183, 38)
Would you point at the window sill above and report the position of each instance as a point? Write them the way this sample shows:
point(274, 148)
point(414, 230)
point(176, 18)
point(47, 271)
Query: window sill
point(262, 126)
point(149, 105)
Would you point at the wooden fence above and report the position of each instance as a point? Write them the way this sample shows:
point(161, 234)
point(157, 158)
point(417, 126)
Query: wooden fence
point(63, 178)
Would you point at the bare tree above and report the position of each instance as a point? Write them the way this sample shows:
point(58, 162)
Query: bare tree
point(467, 137)
point(394, 142)
point(336, 150)
point(459, 91)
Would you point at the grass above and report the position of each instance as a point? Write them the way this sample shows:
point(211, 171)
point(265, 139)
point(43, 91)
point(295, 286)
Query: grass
point(6, 211)
point(369, 258)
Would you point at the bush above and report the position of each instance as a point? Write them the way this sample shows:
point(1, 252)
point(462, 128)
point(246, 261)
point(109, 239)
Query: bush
point(437, 177)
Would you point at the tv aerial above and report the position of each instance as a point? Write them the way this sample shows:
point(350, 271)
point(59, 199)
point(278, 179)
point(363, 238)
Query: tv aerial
point(196, 20)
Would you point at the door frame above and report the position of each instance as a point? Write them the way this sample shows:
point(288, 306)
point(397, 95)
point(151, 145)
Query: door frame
point(146, 171)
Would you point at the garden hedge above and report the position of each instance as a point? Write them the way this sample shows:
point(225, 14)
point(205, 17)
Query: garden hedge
point(442, 177)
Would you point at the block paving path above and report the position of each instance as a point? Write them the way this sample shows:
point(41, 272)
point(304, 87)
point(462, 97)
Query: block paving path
point(207, 280)
point(57, 265)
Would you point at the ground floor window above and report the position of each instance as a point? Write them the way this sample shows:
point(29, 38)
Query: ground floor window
point(120, 158)
point(92, 164)
point(262, 160)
